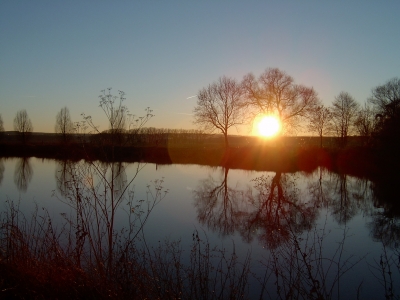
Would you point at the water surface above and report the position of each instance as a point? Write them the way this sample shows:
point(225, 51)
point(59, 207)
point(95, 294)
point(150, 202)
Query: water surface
point(333, 229)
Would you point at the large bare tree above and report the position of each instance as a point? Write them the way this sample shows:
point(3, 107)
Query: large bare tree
point(23, 124)
point(319, 121)
point(220, 107)
point(344, 113)
point(64, 125)
point(275, 92)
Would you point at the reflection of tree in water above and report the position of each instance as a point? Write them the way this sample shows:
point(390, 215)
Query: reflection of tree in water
point(63, 176)
point(1, 170)
point(66, 172)
point(23, 173)
point(386, 222)
point(218, 205)
point(343, 204)
point(344, 195)
point(118, 177)
point(269, 214)
point(385, 228)
point(318, 190)
point(277, 210)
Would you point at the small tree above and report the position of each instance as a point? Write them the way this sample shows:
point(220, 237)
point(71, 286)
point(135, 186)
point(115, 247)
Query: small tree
point(275, 92)
point(319, 121)
point(64, 125)
point(23, 124)
point(220, 107)
point(344, 111)
point(365, 122)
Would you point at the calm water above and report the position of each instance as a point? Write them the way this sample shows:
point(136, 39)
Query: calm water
point(329, 225)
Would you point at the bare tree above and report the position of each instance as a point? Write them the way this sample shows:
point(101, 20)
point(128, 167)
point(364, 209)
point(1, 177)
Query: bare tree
point(23, 124)
point(386, 101)
point(319, 121)
point(64, 125)
point(275, 92)
point(220, 107)
point(365, 121)
point(386, 98)
point(344, 112)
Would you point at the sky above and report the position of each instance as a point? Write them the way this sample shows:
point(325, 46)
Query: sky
point(161, 53)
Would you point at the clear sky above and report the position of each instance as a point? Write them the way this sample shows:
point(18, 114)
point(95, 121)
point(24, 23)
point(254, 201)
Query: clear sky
point(160, 53)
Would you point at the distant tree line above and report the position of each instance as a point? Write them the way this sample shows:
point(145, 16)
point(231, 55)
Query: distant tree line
point(227, 103)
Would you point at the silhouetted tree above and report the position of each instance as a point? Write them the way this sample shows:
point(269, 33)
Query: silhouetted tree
point(344, 111)
point(386, 97)
point(365, 122)
point(64, 125)
point(23, 124)
point(386, 101)
point(319, 121)
point(275, 92)
point(220, 107)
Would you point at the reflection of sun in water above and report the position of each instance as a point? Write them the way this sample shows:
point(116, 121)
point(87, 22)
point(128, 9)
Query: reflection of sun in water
point(268, 126)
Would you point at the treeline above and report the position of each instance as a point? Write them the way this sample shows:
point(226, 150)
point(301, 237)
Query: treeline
point(227, 103)
point(150, 136)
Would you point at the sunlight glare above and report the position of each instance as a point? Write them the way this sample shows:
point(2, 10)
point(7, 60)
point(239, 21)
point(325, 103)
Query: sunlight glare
point(269, 126)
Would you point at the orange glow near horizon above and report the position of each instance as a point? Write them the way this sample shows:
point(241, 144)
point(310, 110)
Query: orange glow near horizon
point(267, 126)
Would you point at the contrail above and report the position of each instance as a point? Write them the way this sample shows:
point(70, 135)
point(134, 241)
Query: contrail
point(191, 97)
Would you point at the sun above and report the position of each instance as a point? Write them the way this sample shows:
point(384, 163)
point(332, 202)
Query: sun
point(268, 126)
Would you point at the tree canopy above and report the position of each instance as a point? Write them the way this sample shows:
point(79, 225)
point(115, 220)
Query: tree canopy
point(275, 92)
point(23, 124)
point(220, 106)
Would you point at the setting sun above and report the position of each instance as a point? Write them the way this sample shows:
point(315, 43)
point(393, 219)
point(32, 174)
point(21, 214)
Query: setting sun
point(268, 126)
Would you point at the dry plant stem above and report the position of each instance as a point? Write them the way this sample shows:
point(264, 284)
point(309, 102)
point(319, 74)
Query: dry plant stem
point(383, 271)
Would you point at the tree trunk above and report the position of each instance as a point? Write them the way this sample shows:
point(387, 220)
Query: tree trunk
point(226, 140)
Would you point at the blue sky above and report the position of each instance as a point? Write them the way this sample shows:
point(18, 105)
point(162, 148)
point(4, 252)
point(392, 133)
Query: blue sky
point(63, 53)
